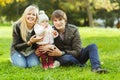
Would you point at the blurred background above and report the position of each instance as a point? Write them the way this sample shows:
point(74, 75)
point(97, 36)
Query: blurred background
point(90, 13)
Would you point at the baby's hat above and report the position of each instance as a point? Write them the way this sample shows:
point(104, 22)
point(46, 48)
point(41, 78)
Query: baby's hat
point(42, 16)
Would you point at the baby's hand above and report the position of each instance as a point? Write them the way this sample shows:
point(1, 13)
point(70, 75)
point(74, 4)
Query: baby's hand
point(55, 33)
point(43, 33)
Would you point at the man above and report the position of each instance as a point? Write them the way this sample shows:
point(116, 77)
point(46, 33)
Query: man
point(68, 49)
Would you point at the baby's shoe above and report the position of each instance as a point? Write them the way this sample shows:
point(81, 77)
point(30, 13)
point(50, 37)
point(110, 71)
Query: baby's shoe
point(51, 65)
point(56, 64)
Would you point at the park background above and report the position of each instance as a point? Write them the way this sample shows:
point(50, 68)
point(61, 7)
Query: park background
point(98, 22)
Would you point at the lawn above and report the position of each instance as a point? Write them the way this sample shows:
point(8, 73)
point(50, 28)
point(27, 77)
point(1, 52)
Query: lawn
point(108, 44)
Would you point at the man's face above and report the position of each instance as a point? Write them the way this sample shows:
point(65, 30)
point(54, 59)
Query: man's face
point(59, 23)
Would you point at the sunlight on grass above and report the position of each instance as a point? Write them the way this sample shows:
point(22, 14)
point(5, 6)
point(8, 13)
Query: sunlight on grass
point(108, 48)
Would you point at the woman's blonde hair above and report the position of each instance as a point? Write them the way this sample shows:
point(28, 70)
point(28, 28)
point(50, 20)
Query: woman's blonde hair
point(22, 20)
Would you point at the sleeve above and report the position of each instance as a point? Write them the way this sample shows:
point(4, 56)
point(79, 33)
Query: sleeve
point(75, 44)
point(18, 43)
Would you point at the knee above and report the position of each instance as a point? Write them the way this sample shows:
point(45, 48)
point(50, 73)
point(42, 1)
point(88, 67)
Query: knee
point(67, 58)
point(22, 65)
point(33, 64)
point(16, 60)
point(93, 46)
point(64, 59)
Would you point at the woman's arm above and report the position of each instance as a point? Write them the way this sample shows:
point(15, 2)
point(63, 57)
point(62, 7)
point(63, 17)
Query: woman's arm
point(18, 42)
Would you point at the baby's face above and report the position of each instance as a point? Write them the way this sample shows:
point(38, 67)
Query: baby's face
point(44, 23)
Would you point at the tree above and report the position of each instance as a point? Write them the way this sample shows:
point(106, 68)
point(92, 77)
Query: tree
point(89, 13)
point(5, 2)
point(79, 12)
point(109, 13)
point(12, 9)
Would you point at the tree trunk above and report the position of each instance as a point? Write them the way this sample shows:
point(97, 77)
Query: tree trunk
point(89, 13)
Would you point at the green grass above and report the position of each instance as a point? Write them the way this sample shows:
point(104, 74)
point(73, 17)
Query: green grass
point(107, 41)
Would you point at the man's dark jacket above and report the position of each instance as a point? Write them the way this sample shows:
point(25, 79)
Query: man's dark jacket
point(71, 43)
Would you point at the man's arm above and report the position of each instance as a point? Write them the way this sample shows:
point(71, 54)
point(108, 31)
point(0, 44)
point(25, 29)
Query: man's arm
point(50, 50)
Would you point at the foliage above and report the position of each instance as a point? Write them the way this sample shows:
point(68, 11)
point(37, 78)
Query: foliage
point(108, 48)
point(80, 12)
point(13, 10)
point(6, 2)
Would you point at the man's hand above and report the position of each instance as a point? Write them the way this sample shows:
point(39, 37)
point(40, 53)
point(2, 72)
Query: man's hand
point(44, 48)
point(50, 49)
point(55, 52)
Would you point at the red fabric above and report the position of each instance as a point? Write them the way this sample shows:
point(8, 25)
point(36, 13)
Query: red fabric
point(46, 60)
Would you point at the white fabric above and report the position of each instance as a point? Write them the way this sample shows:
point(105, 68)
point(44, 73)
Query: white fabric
point(48, 38)
point(42, 17)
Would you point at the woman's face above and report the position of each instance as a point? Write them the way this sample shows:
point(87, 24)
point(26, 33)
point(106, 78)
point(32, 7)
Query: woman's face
point(31, 17)
point(59, 24)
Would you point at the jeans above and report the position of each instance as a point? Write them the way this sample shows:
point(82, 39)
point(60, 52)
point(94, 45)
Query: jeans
point(67, 60)
point(90, 52)
point(20, 60)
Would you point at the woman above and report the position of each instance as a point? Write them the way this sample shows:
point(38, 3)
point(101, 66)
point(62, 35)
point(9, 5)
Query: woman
point(68, 45)
point(23, 43)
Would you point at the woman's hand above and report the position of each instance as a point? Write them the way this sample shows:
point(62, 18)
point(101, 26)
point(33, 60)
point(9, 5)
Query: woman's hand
point(35, 39)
